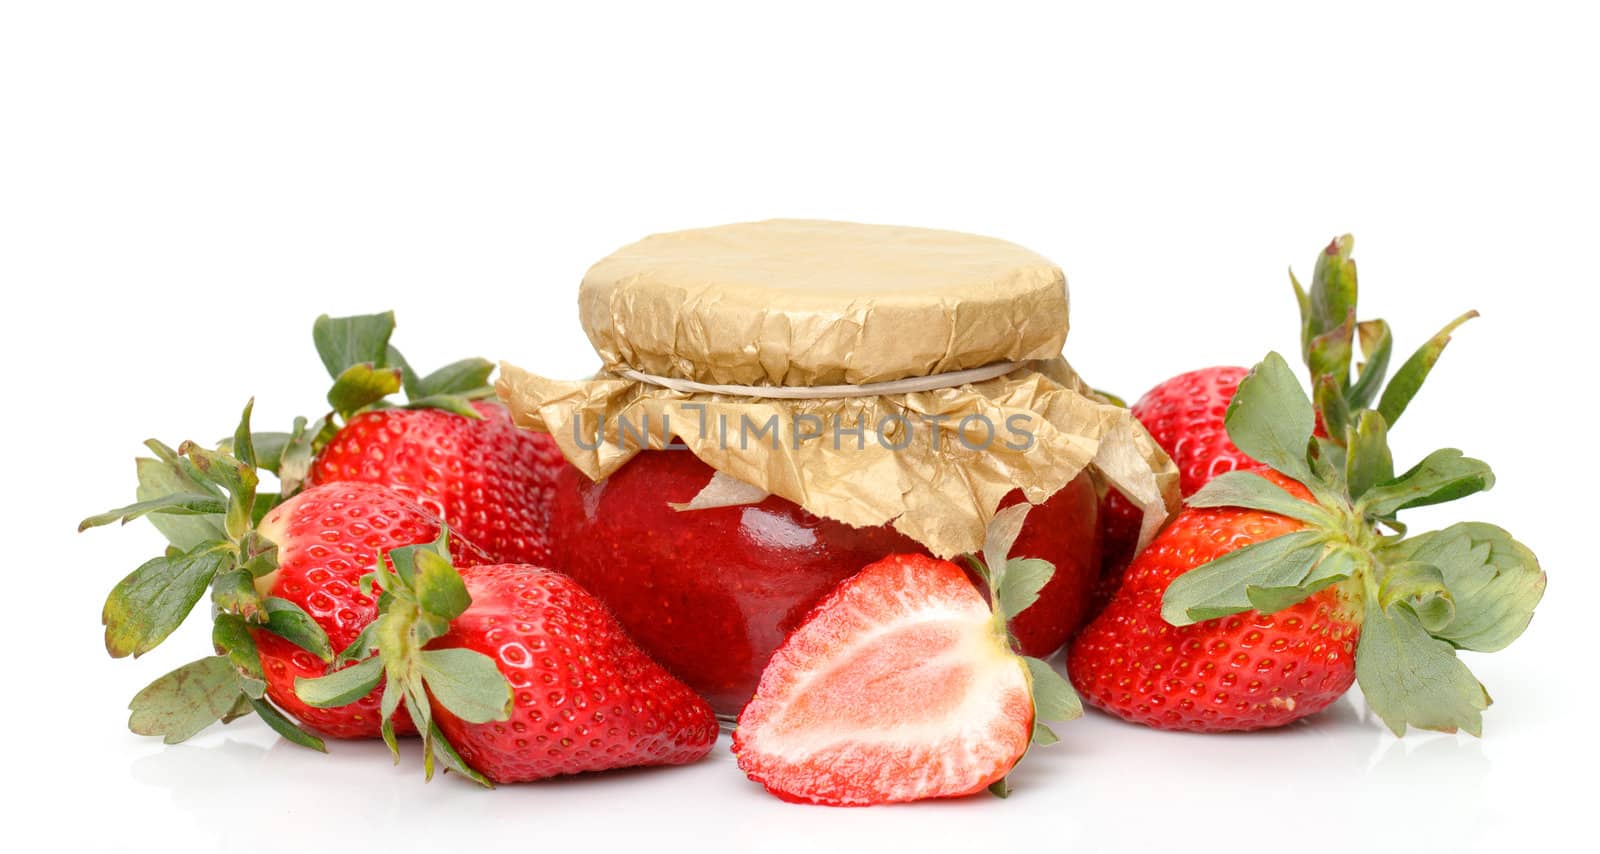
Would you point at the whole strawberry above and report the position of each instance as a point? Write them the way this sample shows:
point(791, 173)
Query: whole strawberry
point(284, 591)
point(448, 446)
point(1272, 592)
point(491, 480)
point(1246, 671)
point(328, 537)
point(517, 674)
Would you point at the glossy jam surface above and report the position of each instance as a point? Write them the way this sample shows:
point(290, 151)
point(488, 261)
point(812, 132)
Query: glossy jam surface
point(711, 593)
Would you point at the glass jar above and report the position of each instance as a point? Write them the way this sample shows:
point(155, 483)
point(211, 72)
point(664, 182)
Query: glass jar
point(840, 392)
point(711, 593)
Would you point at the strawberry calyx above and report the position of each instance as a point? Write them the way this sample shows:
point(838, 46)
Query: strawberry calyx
point(1417, 599)
point(421, 593)
point(1330, 336)
point(1013, 585)
point(367, 370)
point(206, 503)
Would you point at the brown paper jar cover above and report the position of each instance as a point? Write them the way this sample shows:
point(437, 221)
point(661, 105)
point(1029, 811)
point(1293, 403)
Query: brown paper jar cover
point(804, 303)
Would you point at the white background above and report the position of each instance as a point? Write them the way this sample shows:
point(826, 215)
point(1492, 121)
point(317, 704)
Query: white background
point(183, 187)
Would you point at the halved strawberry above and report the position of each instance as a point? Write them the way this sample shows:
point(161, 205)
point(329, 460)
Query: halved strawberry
point(904, 683)
point(899, 686)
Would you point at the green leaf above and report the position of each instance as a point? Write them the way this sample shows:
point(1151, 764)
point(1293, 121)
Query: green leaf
point(1337, 565)
point(290, 622)
point(234, 592)
point(452, 403)
point(365, 644)
point(408, 376)
point(404, 561)
point(244, 449)
point(1494, 580)
point(1333, 567)
point(285, 727)
point(182, 504)
point(362, 385)
point(185, 701)
point(1000, 789)
point(389, 704)
point(231, 635)
point(1408, 379)
point(341, 687)
point(1306, 330)
point(1251, 490)
point(145, 607)
point(998, 539)
point(1019, 589)
point(1044, 736)
point(1333, 287)
point(1271, 419)
point(1443, 475)
point(221, 469)
point(170, 476)
point(260, 554)
point(346, 341)
point(438, 744)
point(1411, 679)
point(269, 449)
point(1376, 346)
point(1053, 696)
point(1331, 354)
point(438, 586)
point(419, 706)
point(241, 707)
point(1330, 401)
point(1327, 467)
point(298, 454)
point(1367, 459)
point(428, 627)
point(234, 476)
point(467, 683)
point(1421, 588)
point(463, 377)
point(1223, 586)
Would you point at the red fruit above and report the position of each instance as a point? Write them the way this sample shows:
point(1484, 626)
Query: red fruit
point(711, 593)
point(1185, 417)
point(327, 538)
point(1064, 530)
point(1241, 672)
point(1278, 588)
point(899, 686)
point(585, 697)
point(489, 479)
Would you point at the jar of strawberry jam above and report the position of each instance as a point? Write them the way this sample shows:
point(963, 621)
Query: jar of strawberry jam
point(782, 403)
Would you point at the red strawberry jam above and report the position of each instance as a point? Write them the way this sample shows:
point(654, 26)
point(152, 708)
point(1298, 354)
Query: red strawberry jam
point(711, 593)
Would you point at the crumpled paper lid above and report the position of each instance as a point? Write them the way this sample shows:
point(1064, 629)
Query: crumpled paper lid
point(811, 302)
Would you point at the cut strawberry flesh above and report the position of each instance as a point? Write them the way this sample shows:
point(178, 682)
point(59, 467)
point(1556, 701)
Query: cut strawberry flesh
point(915, 670)
point(899, 686)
